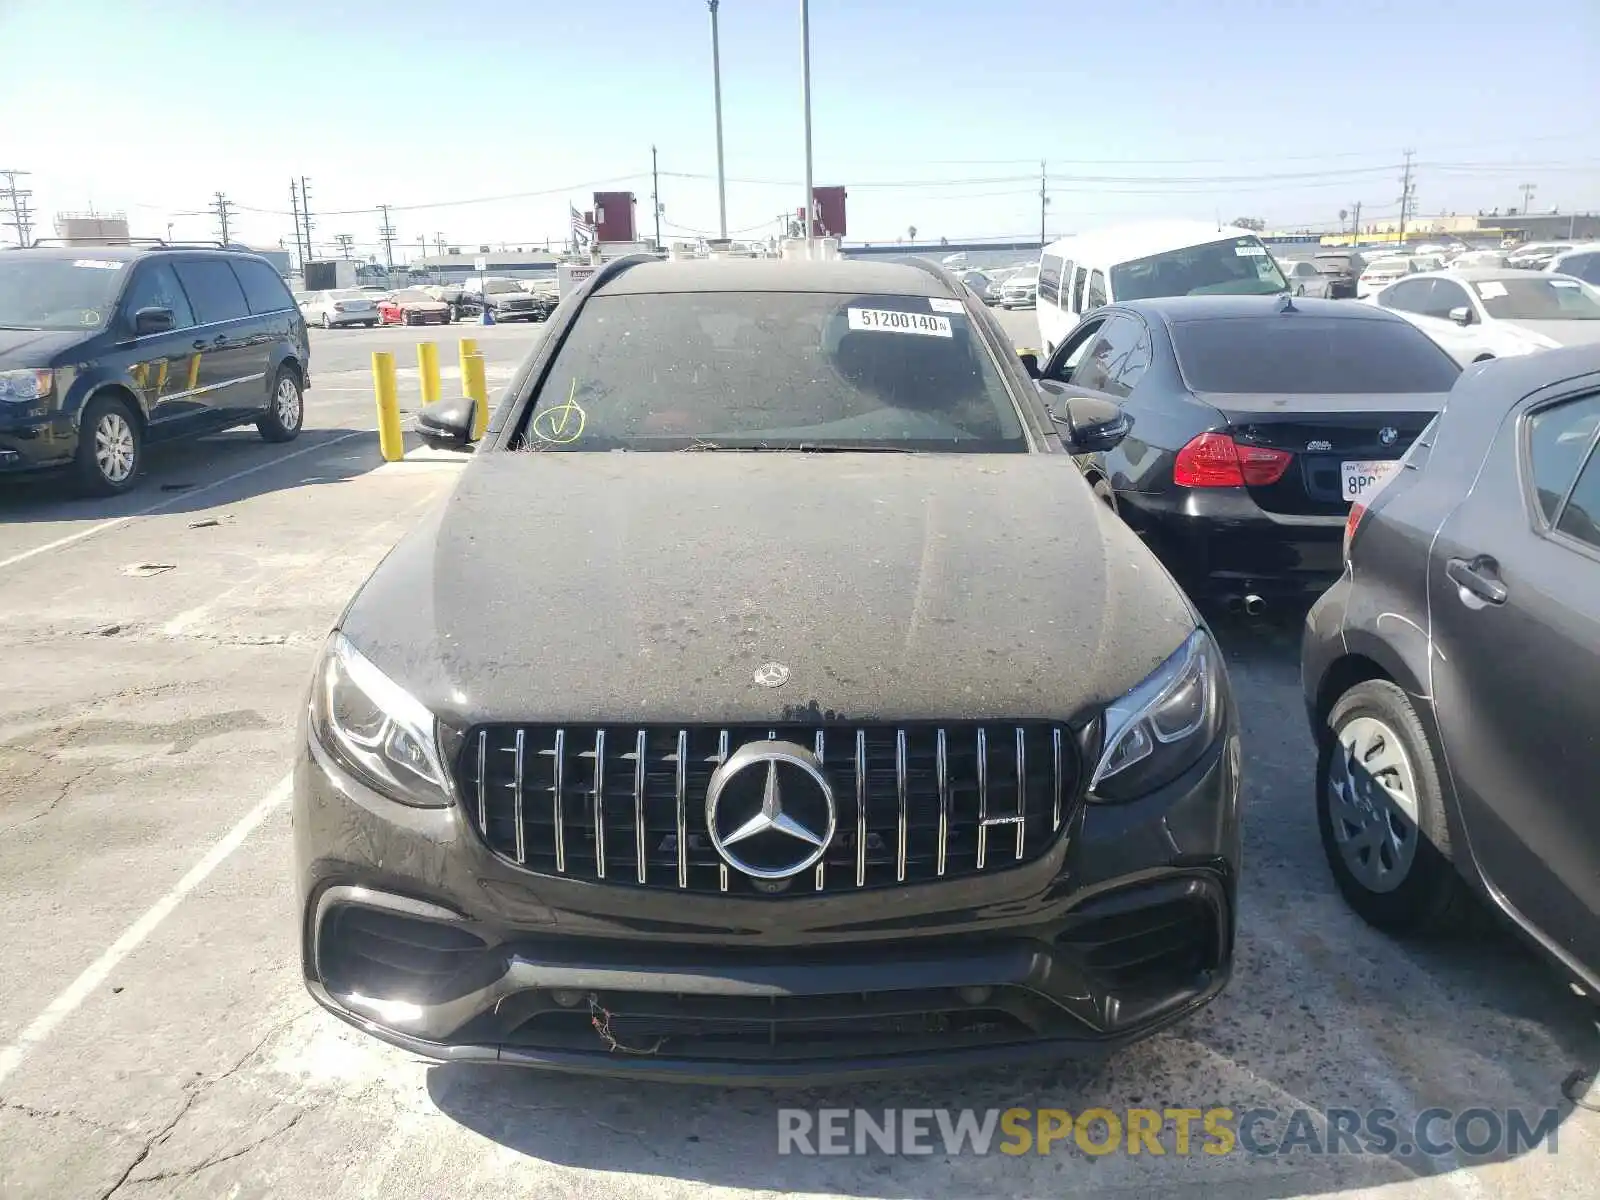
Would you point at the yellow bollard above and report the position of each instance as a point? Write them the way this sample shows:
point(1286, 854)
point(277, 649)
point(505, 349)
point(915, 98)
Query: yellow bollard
point(469, 346)
point(477, 386)
point(390, 439)
point(428, 371)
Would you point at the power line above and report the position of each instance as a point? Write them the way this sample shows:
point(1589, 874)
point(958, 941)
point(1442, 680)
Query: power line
point(21, 215)
point(386, 232)
point(346, 242)
point(220, 206)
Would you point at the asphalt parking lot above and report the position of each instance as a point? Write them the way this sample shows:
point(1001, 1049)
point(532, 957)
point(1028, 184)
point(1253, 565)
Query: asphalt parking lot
point(156, 1041)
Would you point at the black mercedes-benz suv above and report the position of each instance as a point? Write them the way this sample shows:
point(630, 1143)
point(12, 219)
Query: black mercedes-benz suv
point(105, 348)
point(771, 698)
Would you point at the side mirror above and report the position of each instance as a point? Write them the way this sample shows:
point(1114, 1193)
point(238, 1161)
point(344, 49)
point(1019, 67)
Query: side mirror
point(1030, 363)
point(1461, 315)
point(446, 424)
point(153, 320)
point(1090, 424)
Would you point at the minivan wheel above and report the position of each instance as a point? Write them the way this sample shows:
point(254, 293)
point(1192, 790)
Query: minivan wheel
point(286, 408)
point(110, 446)
point(1381, 814)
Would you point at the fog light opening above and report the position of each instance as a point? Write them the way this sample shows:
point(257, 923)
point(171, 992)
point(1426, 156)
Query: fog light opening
point(567, 998)
point(974, 995)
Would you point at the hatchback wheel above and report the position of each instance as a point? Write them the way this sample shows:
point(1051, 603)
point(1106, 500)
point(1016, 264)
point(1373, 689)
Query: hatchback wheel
point(1381, 813)
point(110, 445)
point(286, 409)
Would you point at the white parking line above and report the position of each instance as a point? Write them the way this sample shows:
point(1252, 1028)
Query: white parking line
point(116, 522)
point(81, 988)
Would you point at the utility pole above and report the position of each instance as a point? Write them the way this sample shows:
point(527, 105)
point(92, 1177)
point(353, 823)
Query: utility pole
point(305, 212)
point(21, 219)
point(716, 91)
point(805, 95)
point(346, 241)
point(655, 195)
point(1527, 191)
point(438, 243)
point(1044, 201)
point(1355, 222)
point(299, 242)
point(422, 244)
point(386, 232)
point(221, 207)
point(1408, 195)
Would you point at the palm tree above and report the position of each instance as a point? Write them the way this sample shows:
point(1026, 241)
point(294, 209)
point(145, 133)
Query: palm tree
point(911, 233)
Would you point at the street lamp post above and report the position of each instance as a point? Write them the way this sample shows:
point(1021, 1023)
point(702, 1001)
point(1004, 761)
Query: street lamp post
point(805, 86)
point(716, 90)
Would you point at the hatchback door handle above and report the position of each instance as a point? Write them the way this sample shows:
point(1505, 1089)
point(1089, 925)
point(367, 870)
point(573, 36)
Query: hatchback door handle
point(1478, 576)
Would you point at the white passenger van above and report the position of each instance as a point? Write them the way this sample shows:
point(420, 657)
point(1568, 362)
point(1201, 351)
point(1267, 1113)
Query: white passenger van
point(1151, 258)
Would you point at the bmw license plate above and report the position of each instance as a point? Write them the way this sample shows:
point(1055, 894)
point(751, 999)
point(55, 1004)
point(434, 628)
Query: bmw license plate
point(1364, 476)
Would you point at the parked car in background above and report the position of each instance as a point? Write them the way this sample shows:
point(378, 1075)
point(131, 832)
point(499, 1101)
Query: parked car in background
point(506, 299)
point(1381, 272)
point(963, 861)
point(1305, 280)
point(1257, 422)
point(1342, 269)
point(1145, 259)
point(1021, 290)
point(346, 306)
point(1427, 262)
point(412, 306)
point(1536, 256)
point(1476, 259)
point(1452, 675)
point(1581, 262)
point(977, 283)
point(448, 294)
point(106, 348)
point(1482, 314)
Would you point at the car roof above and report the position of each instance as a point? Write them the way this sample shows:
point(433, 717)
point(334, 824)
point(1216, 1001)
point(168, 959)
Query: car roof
point(1524, 374)
point(1140, 239)
point(778, 275)
point(123, 253)
point(1178, 309)
point(1480, 274)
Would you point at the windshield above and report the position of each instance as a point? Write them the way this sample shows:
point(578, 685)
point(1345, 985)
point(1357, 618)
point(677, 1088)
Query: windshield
point(773, 370)
point(58, 293)
point(1336, 265)
point(1538, 299)
point(1295, 354)
point(412, 296)
point(1236, 267)
point(496, 287)
point(350, 294)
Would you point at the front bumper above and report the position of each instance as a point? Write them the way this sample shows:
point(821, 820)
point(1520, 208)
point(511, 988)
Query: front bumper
point(35, 437)
point(1219, 540)
point(413, 931)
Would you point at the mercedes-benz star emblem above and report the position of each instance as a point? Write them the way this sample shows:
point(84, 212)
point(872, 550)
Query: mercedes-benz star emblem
point(769, 810)
point(1388, 435)
point(772, 674)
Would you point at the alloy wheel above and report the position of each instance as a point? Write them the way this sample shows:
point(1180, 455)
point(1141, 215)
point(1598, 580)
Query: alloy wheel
point(114, 449)
point(1372, 804)
point(287, 403)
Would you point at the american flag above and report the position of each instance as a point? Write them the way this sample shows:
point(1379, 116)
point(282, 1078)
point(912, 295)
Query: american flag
point(581, 229)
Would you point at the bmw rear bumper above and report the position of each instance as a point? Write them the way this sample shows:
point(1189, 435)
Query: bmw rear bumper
point(414, 932)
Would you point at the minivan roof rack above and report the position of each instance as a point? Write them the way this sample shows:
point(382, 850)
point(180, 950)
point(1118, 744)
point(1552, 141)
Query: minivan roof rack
point(124, 242)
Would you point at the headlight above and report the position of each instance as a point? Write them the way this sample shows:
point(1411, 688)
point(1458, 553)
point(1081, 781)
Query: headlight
point(24, 387)
point(1161, 728)
point(377, 729)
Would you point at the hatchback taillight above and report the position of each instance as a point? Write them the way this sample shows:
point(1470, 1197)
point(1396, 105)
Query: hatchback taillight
point(1216, 460)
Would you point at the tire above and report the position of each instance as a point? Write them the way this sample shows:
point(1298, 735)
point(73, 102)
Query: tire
point(327, 321)
point(285, 414)
point(405, 319)
point(1404, 883)
point(110, 447)
point(1300, 290)
point(370, 324)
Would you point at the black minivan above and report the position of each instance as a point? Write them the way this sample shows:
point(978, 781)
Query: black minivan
point(105, 348)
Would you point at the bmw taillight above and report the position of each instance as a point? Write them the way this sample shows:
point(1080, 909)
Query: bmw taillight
point(1216, 460)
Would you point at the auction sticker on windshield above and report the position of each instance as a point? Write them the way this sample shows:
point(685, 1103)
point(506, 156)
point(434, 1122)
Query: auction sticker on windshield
point(1364, 476)
point(887, 320)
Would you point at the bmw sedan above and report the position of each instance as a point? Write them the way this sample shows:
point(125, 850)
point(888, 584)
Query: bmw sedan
point(1256, 422)
point(1452, 675)
point(740, 717)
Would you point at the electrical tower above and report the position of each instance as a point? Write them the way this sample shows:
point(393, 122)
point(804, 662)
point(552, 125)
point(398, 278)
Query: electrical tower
point(386, 232)
point(221, 206)
point(1408, 195)
point(299, 242)
point(21, 217)
point(346, 241)
point(1527, 191)
point(305, 212)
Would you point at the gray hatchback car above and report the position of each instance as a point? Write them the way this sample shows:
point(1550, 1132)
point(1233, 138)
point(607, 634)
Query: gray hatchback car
point(1452, 675)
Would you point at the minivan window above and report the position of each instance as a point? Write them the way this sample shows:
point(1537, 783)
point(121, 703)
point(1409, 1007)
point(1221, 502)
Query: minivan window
point(773, 371)
point(264, 288)
point(213, 290)
point(37, 292)
point(155, 285)
point(1297, 354)
point(1097, 291)
point(1236, 267)
point(1050, 278)
point(1077, 288)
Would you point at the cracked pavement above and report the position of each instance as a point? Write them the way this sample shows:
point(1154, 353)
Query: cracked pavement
point(146, 715)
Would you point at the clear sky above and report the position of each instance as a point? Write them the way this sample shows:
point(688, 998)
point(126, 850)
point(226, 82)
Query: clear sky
point(934, 113)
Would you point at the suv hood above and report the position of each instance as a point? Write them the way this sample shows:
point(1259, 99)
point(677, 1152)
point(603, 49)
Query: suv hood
point(24, 348)
point(649, 587)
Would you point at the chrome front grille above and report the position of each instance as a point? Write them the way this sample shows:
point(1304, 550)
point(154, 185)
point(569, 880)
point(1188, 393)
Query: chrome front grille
point(627, 805)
